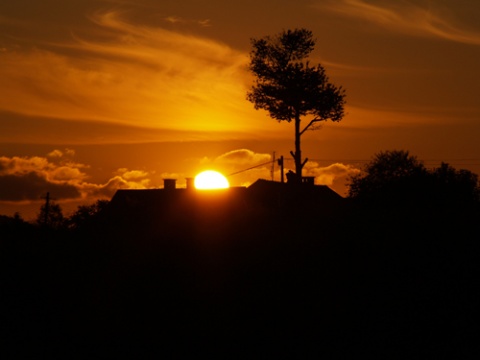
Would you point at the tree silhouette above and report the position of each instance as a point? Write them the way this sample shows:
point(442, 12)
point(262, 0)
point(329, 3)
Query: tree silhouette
point(289, 88)
point(396, 176)
point(455, 187)
point(390, 174)
point(50, 215)
point(85, 214)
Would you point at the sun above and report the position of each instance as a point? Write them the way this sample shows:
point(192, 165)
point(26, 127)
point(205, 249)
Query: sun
point(209, 180)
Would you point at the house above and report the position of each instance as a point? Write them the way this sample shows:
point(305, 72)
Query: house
point(172, 204)
point(307, 195)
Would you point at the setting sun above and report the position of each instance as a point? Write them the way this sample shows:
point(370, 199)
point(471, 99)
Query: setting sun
point(209, 180)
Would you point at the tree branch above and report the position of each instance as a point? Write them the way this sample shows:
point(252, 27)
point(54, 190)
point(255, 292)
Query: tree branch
point(304, 162)
point(309, 125)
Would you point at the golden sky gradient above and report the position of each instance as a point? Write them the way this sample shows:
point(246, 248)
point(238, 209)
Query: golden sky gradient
point(98, 95)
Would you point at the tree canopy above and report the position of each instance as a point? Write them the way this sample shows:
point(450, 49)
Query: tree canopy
point(289, 88)
point(456, 187)
point(86, 214)
point(388, 173)
point(397, 177)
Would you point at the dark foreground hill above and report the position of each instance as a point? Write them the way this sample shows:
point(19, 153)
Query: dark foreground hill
point(243, 279)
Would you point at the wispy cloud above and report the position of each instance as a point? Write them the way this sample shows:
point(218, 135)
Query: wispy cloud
point(246, 164)
point(173, 19)
point(135, 74)
point(405, 17)
point(243, 157)
point(179, 20)
point(205, 23)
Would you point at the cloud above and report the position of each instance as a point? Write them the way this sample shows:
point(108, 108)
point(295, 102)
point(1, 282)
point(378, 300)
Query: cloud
point(174, 19)
point(137, 179)
point(327, 175)
point(55, 154)
point(123, 179)
point(243, 157)
point(20, 129)
point(404, 17)
point(237, 160)
point(60, 154)
point(131, 74)
point(20, 166)
point(178, 20)
point(335, 176)
point(107, 190)
point(205, 23)
point(181, 178)
point(32, 186)
point(246, 165)
point(30, 178)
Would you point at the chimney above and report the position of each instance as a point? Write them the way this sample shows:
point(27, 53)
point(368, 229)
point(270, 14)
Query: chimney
point(308, 180)
point(169, 184)
point(190, 183)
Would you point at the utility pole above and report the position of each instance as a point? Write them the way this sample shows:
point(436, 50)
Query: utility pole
point(46, 213)
point(47, 208)
point(280, 163)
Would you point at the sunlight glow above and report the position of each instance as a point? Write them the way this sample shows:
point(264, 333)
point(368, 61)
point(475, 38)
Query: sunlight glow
point(209, 180)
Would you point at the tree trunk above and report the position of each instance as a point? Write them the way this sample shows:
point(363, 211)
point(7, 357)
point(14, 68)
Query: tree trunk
point(298, 151)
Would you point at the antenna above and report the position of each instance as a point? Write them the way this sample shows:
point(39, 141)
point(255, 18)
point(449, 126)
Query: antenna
point(47, 208)
point(46, 215)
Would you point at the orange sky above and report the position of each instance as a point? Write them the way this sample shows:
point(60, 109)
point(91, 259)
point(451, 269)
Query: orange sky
point(98, 95)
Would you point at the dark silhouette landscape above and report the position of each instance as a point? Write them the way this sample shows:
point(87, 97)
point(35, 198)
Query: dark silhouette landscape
point(269, 270)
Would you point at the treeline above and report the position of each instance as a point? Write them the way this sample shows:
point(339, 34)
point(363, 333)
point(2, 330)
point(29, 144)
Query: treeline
point(395, 178)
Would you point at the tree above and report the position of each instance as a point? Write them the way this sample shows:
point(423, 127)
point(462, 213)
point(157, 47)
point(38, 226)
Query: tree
point(455, 187)
point(50, 215)
point(289, 88)
point(390, 174)
point(395, 177)
point(86, 214)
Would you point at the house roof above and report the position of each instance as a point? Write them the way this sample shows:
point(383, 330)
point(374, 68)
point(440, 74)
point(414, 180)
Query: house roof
point(171, 211)
point(261, 193)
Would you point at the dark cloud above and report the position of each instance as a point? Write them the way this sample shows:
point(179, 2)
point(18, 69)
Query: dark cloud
point(32, 186)
point(30, 178)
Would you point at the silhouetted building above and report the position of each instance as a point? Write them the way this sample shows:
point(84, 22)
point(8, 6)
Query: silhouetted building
point(173, 204)
point(305, 197)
